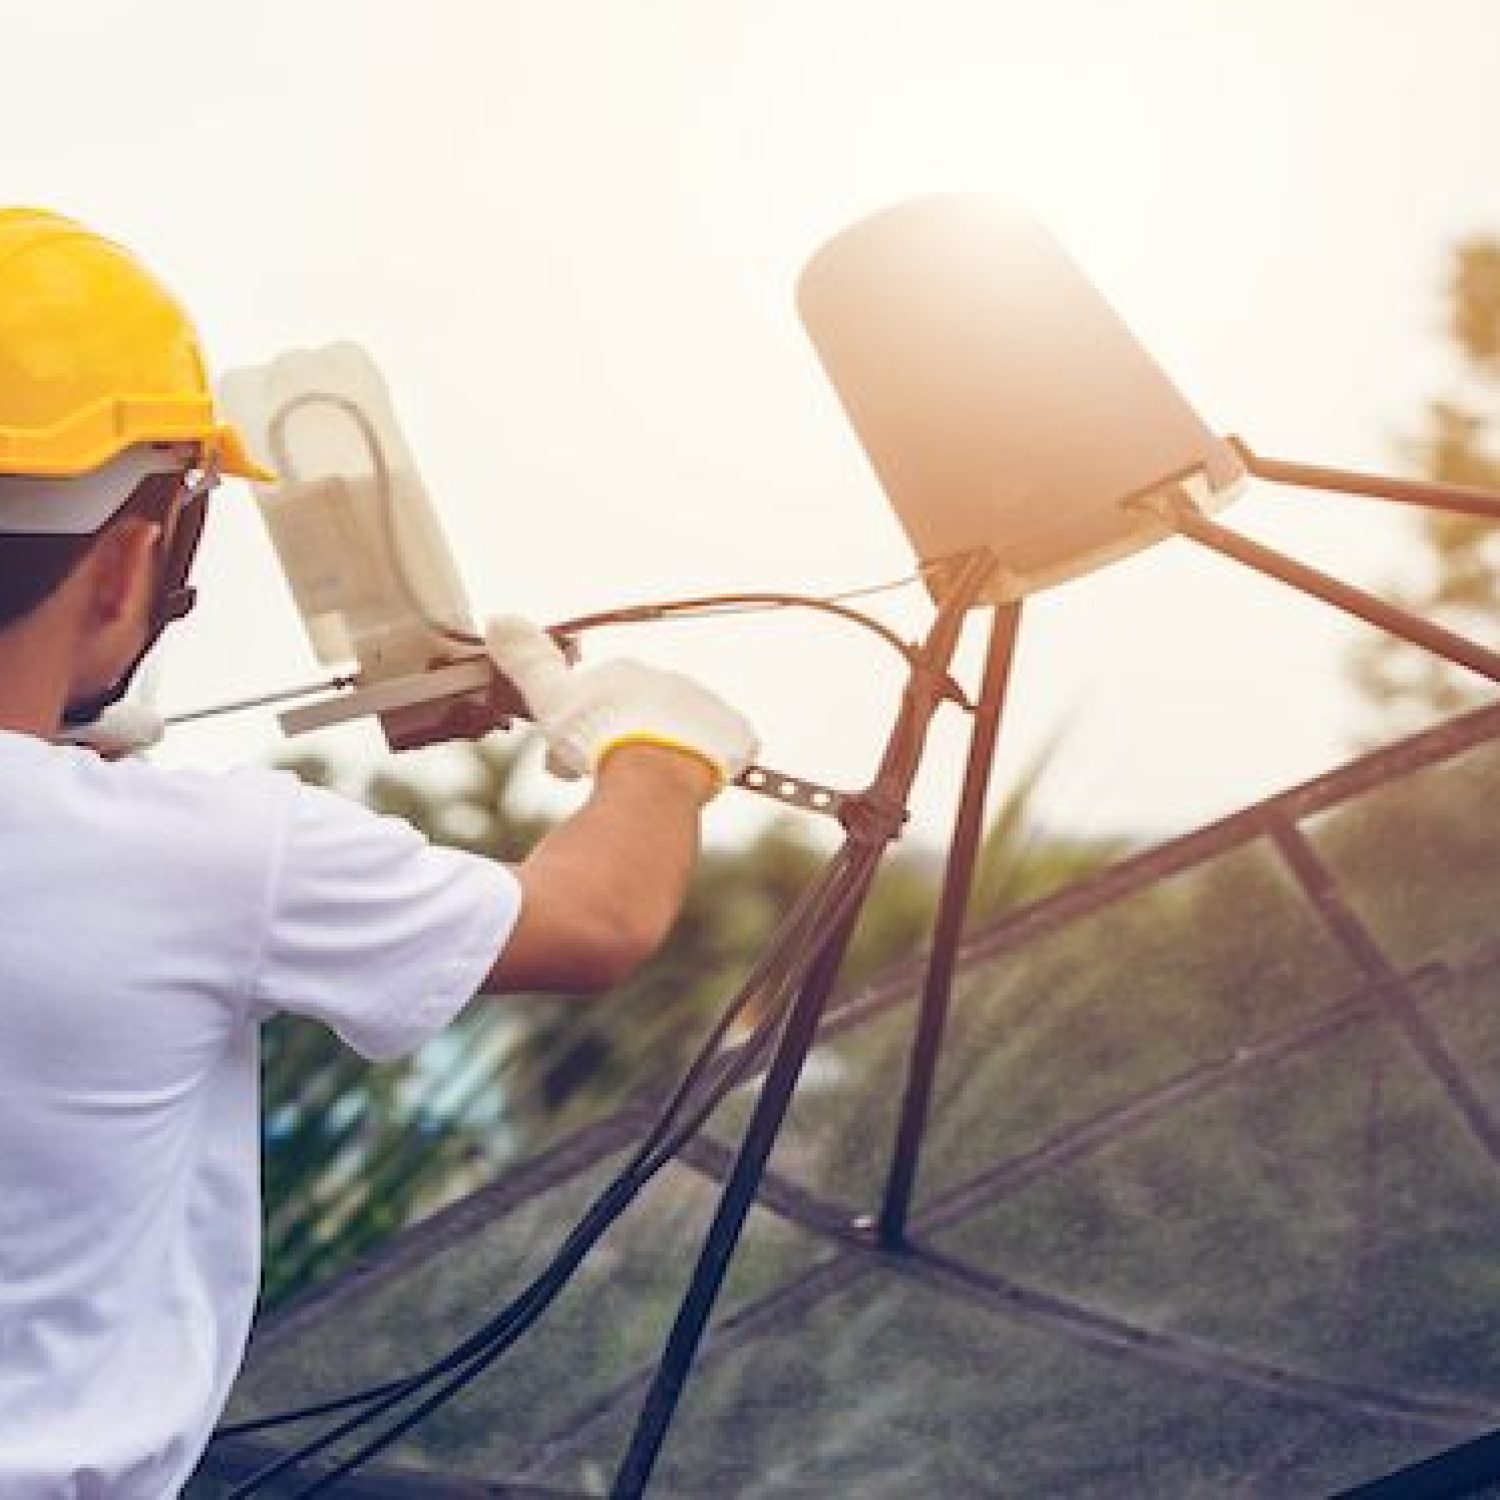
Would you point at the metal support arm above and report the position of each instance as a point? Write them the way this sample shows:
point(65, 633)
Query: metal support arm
point(1186, 520)
point(1463, 499)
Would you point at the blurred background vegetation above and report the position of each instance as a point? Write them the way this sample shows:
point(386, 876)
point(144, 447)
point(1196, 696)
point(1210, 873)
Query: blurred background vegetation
point(1452, 570)
point(353, 1151)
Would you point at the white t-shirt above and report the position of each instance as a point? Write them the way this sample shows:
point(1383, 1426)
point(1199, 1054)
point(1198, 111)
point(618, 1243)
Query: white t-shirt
point(149, 921)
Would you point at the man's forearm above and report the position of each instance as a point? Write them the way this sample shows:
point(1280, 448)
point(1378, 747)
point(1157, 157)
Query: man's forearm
point(627, 856)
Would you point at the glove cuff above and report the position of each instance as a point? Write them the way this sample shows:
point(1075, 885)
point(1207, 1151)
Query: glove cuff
point(664, 742)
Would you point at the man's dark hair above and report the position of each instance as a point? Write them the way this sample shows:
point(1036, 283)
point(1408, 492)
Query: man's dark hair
point(33, 566)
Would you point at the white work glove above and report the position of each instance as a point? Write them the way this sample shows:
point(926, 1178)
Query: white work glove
point(587, 712)
point(122, 729)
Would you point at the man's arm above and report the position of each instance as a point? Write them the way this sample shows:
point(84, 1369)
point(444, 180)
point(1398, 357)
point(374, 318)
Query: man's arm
point(600, 893)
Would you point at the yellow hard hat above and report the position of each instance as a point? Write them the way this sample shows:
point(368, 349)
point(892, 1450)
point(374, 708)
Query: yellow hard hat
point(96, 356)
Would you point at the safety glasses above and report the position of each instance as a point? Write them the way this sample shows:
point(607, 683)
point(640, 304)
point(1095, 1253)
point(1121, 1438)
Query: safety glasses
point(185, 521)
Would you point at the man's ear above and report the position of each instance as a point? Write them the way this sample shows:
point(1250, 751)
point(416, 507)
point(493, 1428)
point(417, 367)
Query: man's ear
point(123, 568)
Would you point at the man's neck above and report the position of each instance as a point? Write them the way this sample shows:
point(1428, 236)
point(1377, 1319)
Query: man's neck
point(33, 679)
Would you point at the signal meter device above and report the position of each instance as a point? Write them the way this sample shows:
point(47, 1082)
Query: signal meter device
point(366, 560)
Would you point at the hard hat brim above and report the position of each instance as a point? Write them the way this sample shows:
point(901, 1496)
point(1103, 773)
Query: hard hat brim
point(100, 432)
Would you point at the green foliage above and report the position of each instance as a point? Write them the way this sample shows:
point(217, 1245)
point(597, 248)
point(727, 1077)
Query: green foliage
point(1195, 1122)
point(1018, 862)
point(1459, 444)
point(354, 1151)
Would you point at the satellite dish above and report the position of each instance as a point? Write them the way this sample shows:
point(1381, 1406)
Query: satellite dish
point(1003, 403)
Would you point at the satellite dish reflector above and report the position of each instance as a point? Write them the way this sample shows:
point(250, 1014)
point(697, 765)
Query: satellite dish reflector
point(1001, 400)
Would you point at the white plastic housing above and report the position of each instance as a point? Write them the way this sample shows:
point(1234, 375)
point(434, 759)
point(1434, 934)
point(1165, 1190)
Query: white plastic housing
point(1001, 400)
point(367, 563)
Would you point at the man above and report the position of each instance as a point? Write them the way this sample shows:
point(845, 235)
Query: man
point(153, 918)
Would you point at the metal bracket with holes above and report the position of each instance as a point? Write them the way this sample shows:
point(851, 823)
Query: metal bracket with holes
point(793, 791)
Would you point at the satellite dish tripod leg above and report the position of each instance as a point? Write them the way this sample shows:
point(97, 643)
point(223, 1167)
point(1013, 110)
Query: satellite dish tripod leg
point(958, 880)
point(873, 821)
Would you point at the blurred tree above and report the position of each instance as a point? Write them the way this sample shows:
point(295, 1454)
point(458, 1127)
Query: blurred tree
point(354, 1151)
point(1020, 862)
point(1458, 558)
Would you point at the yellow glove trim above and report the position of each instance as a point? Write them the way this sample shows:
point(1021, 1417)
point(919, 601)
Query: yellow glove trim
point(662, 742)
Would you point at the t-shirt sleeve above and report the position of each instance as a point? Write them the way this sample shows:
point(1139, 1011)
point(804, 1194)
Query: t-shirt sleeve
point(373, 930)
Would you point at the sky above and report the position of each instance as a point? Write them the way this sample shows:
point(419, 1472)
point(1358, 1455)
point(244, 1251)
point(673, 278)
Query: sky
point(570, 231)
